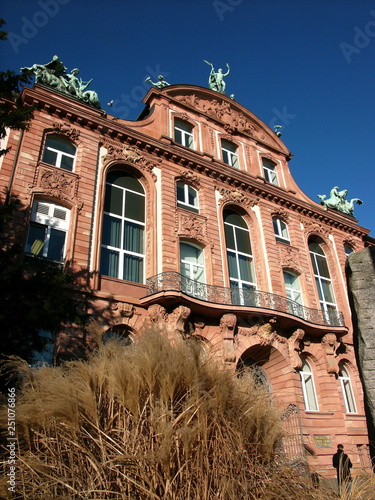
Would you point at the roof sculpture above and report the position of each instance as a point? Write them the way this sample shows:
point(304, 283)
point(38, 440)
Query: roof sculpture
point(338, 201)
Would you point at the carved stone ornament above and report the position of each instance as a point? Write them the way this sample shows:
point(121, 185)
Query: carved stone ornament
point(56, 183)
point(295, 347)
point(173, 322)
point(227, 326)
point(236, 196)
point(289, 258)
point(67, 130)
point(123, 309)
point(266, 332)
point(189, 177)
point(281, 214)
point(330, 345)
point(314, 227)
point(191, 225)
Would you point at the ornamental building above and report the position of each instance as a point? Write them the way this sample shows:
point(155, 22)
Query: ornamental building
point(189, 219)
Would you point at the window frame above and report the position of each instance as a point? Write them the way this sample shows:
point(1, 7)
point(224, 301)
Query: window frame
point(232, 155)
point(307, 376)
point(278, 230)
point(184, 203)
point(49, 223)
point(270, 172)
point(347, 389)
point(59, 153)
point(185, 134)
point(189, 284)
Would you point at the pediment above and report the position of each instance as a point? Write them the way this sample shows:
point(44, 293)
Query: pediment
point(233, 117)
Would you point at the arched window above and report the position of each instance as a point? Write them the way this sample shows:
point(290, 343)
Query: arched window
point(60, 152)
point(249, 367)
point(269, 170)
point(348, 249)
point(183, 133)
point(323, 280)
point(240, 258)
point(122, 249)
point(187, 197)
point(308, 387)
point(229, 153)
point(48, 228)
point(192, 270)
point(347, 390)
point(281, 230)
point(119, 333)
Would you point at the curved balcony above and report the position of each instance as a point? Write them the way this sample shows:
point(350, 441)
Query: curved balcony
point(175, 282)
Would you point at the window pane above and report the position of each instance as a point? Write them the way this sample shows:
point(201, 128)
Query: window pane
point(50, 157)
point(125, 180)
point(234, 218)
point(111, 231)
point(192, 196)
point(185, 269)
point(232, 264)
point(113, 200)
point(134, 206)
point(322, 266)
point(56, 245)
point(133, 268)
point(178, 136)
point(60, 144)
point(180, 191)
point(245, 264)
point(229, 236)
point(109, 263)
point(133, 237)
point(67, 163)
point(243, 241)
point(327, 291)
point(35, 239)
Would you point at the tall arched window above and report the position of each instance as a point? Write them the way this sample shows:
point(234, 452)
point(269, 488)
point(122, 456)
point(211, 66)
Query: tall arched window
point(60, 152)
point(183, 133)
point(347, 390)
point(192, 268)
point(229, 153)
point(322, 279)
point(123, 228)
point(308, 387)
point(240, 258)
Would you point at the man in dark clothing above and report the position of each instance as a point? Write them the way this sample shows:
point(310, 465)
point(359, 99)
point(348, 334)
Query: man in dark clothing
point(341, 462)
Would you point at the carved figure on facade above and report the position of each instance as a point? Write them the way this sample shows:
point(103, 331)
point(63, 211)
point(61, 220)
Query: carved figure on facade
point(173, 322)
point(227, 327)
point(188, 176)
point(235, 196)
point(216, 79)
point(57, 184)
point(192, 226)
point(54, 74)
point(289, 258)
point(314, 227)
point(124, 309)
point(337, 200)
point(67, 130)
point(266, 330)
point(160, 84)
point(330, 345)
point(295, 348)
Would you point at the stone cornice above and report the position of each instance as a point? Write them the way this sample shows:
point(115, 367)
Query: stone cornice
point(88, 117)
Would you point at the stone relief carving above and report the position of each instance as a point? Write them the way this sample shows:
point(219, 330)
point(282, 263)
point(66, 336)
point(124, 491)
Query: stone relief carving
point(227, 326)
point(330, 345)
point(188, 176)
point(289, 258)
point(295, 348)
point(191, 225)
point(236, 196)
point(314, 227)
point(66, 129)
point(173, 322)
point(266, 330)
point(123, 309)
point(281, 214)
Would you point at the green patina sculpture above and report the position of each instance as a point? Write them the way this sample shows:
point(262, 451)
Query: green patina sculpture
point(160, 84)
point(54, 75)
point(337, 200)
point(216, 80)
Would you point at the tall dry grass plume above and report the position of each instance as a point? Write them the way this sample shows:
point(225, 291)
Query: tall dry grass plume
point(154, 420)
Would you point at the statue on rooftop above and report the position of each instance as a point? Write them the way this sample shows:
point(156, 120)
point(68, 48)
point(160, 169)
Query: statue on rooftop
point(160, 84)
point(53, 74)
point(337, 200)
point(216, 80)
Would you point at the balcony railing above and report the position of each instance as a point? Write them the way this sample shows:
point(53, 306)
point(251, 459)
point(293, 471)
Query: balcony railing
point(175, 282)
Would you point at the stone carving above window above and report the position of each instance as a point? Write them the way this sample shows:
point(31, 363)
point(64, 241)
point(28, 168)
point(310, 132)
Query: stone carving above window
point(173, 322)
point(189, 177)
point(236, 196)
point(67, 130)
point(314, 227)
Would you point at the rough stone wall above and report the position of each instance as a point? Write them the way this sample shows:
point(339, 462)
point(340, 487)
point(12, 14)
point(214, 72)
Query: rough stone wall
point(361, 281)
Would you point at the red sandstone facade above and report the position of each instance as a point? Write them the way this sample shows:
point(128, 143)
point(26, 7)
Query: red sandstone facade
point(209, 177)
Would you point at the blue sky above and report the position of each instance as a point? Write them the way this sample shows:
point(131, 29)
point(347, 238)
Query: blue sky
point(308, 65)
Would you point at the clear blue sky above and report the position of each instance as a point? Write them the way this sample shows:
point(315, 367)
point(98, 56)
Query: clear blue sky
point(308, 65)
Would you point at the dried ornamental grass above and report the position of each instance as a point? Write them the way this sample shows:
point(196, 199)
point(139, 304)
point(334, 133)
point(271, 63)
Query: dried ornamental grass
point(154, 420)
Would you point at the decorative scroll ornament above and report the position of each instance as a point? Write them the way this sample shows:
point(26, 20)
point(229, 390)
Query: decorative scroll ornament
point(289, 258)
point(266, 331)
point(330, 345)
point(188, 176)
point(227, 326)
point(235, 196)
point(123, 309)
point(67, 130)
point(295, 348)
point(192, 226)
point(54, 75)
point(337, 200)
point(314, 227)
point(173, 323)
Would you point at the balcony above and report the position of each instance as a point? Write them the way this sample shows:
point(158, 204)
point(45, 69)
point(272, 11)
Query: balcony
point(175, 282)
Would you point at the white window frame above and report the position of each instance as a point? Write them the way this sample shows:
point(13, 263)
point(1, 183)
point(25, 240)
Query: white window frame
point(270, 172)
point(229, 157)
point(187, 137)
point(192, 287)
point(184, 203)
point(347, 389)
point(308, 387)
point(44, 213)
point(60, 153)
point(279, 226)
point(325, 305)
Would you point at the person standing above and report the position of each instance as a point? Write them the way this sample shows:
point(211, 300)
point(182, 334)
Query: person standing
point(342, 463)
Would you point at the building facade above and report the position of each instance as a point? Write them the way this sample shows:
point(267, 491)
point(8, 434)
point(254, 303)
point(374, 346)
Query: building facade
point(189, 219)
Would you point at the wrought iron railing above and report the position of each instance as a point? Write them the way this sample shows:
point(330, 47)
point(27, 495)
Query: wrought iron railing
point(172, 281)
